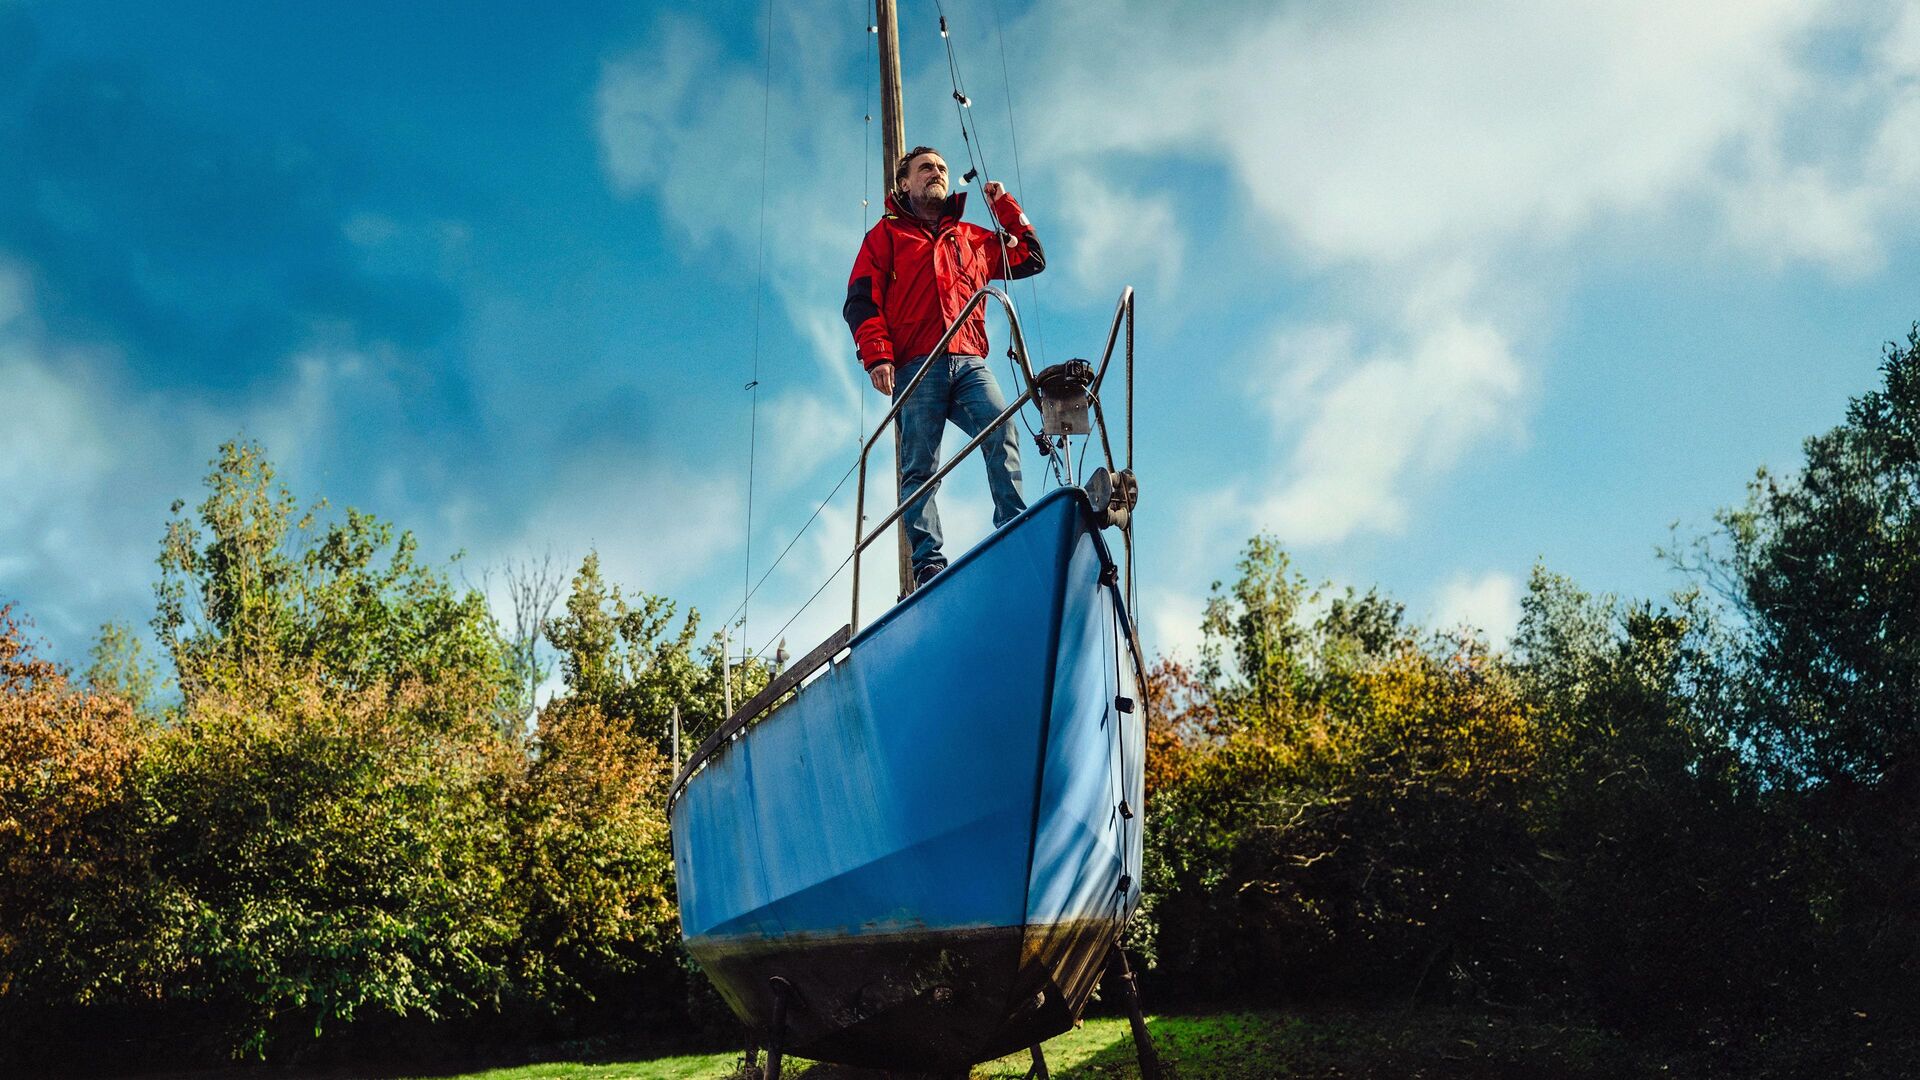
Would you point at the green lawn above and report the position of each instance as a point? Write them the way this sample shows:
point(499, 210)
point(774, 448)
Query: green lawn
point(1240, 1046)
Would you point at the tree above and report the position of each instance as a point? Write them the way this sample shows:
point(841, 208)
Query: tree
point(246, 588)
point(624, 656)
point(1824, 565)
point(1672, 875)
point(327, 856)
point(533, 587)
point(1258, 618)
point(72, 868)
point(1827, 565)
point(118, 665)
point(594, 862)
point(224, 603)
point(1357, 822)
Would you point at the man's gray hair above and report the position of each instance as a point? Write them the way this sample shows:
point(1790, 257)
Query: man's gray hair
point(906, 159)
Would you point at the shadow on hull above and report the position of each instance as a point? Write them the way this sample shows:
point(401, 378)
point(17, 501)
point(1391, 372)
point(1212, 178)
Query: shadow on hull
point(930, 1000)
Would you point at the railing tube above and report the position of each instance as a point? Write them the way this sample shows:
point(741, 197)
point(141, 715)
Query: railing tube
point(941, 473)
point(1128, 535)
point(1123, 310)
point(1129, 377)
point(979, 297)
point(861, 536)
point(859, 515)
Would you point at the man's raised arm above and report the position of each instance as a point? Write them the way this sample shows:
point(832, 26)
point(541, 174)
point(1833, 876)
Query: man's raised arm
point(1024, 256)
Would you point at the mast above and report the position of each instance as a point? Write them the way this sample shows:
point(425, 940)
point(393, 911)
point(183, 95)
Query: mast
point(893, 143)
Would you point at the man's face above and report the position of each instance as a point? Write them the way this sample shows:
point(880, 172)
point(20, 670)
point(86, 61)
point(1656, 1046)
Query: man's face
point(927, 177)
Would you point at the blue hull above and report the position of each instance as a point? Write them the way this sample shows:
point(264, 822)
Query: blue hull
point(928, 841)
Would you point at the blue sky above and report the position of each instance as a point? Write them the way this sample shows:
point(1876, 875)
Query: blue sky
point(1431, 292)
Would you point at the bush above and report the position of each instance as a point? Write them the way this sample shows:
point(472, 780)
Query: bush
point(1362, 835)
point(324, 856)
point(594, 866)
point(72, 872)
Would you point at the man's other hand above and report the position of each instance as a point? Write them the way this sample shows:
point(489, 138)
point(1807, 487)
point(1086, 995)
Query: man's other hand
point(882, 376)
point(993, 191)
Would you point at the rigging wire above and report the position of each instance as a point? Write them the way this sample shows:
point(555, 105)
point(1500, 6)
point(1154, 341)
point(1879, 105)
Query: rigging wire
point(978, 166)
point(866, 202)
point(1013, 135)
point(866, 188)
point(808, 604)
point(838, 484)
point(759, 293)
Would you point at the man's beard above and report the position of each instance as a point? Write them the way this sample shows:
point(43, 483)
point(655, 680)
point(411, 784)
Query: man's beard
point(929, 206)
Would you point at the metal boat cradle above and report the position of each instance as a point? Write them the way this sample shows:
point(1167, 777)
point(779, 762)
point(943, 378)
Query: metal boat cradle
point(918, 847)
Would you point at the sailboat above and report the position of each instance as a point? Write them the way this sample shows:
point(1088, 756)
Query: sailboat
point(917, 849)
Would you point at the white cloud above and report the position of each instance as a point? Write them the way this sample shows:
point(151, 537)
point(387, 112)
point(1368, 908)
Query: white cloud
point(1399, 132)
point(669, 118)
point(1395, 150)
point(803, 431)
point(14, 294)
point(52, 439)
point(90, 461)
point(1375, 420)
point(84, 478)
point(1120, 236)
point(824, 549)
point(1488, 604)
point(293, 422)
point(1172, 624)
point(654, 526)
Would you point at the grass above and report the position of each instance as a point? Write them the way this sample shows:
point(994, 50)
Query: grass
point(1352, 1045)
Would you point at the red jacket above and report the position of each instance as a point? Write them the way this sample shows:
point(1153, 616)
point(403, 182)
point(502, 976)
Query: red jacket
point(910, 279)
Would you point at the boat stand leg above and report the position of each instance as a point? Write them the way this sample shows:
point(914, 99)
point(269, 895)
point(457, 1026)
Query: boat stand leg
point(1142, 1042)
point(776, 1045)
point(751, 1070)
point(1039, 1070)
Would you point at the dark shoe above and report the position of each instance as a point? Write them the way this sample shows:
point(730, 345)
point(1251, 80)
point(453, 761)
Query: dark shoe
point(926, 574)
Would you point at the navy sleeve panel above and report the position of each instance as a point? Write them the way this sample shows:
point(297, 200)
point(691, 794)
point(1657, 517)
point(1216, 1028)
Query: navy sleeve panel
point(1035, 261)
point(859, 306)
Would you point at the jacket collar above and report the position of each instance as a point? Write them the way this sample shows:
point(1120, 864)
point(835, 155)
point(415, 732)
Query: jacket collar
point(950, 213)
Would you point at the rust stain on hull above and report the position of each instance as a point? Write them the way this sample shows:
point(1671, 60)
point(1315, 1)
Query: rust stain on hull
point(917, 999)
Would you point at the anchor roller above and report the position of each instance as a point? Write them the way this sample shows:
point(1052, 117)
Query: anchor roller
point(1113, 495)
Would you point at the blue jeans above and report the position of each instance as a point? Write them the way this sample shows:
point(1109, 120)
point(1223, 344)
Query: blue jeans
point(961, 389)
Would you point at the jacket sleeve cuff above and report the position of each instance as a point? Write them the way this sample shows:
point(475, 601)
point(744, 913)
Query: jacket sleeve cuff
point(1009, 214)
point(871, 358)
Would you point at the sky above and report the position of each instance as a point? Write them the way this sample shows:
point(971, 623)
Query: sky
point(1433, 293)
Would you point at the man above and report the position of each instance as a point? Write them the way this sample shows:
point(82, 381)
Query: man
point(916, 269)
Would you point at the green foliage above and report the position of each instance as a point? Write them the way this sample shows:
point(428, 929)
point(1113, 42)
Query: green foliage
point(600, 882)
point(623, 656)
point(1679, 822)
point(1358, 823)
point(71, 870)
point(1683, 819)
point(118, 665)
point(245, 586)
point(1257, 618)
point(1824, 567)
point(1663, 861)
point(324, 854)
point(593, 858)
point(1827, 568)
